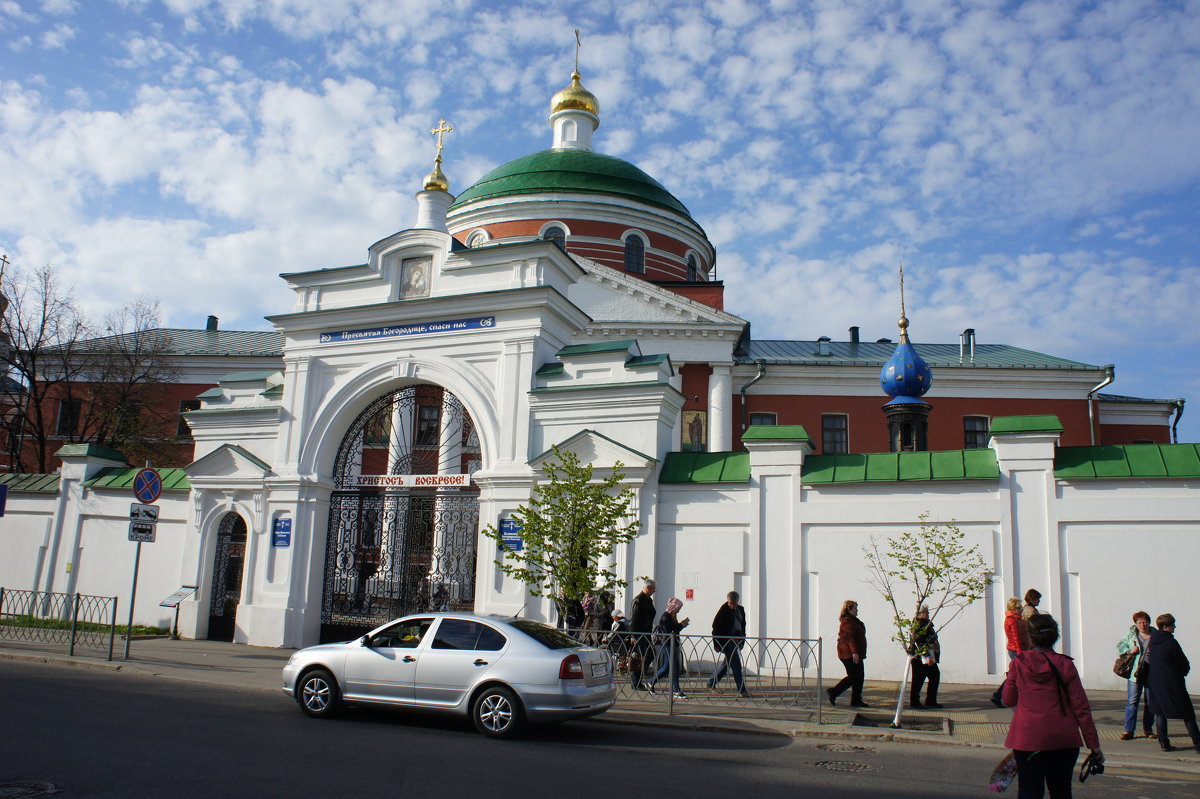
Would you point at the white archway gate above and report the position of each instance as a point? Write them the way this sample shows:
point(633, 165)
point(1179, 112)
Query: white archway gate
point(403, 516)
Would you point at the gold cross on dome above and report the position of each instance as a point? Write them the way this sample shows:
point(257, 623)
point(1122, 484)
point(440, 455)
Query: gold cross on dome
point(441, 129)
point(578, 44)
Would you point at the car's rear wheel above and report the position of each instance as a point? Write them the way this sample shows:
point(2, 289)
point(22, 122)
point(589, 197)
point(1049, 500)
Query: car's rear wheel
point(497, 712)
point(318, 695)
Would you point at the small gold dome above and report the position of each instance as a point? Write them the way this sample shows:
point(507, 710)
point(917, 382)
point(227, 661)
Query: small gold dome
point(575, 97)
point(436, 180)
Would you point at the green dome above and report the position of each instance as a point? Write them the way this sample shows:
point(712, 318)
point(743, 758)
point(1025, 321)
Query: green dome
point(581, 171)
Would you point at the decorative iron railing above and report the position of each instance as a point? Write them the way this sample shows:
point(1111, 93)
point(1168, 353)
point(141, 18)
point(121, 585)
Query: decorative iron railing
point(698, 670)
point(52, 618)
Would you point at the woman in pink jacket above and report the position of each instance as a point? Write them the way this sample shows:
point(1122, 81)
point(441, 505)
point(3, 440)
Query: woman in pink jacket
point(1052, 711)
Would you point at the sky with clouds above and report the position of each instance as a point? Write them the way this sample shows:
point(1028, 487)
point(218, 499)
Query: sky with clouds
point(1034, 165)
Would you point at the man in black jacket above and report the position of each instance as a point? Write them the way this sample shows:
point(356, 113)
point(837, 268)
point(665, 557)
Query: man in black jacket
point(641, 623)
point(729, 636)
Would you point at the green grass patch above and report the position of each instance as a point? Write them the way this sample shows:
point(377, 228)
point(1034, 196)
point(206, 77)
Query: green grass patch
point(43, 623)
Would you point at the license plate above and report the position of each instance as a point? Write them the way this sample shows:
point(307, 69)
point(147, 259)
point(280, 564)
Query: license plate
point(599, 669)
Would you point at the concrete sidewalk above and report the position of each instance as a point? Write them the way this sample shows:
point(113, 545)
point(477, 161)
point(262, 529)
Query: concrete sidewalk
point(968, 718)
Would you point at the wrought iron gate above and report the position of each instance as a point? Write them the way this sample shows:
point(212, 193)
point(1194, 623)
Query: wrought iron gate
point(227, 577)
point(400, 549)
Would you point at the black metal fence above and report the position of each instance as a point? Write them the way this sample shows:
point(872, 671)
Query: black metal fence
point(703, 674)
point(44, 617)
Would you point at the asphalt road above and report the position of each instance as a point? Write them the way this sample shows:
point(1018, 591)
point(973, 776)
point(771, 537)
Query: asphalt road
point(100, 734)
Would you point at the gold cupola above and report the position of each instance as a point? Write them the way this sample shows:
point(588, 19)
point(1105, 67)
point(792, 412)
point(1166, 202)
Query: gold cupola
point(575, 98)
point(436, 180)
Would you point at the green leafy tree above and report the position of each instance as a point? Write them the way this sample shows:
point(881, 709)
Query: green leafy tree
point(569, 530)
point(933, 567)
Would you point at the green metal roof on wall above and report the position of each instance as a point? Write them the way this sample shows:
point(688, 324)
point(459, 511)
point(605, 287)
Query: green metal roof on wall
point(706, 467)
point(885, 467)
point(571, 171)
point(173, 479)
point(600, 346)
point(776, 432)
point(21, 483)
point(870, 353)
point(1134, 461)
point(1034, 423)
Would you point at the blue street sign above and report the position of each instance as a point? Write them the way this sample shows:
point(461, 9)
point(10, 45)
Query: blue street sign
point(416, 329)
point(281, 533)
point(147, 485)
point(510, 534)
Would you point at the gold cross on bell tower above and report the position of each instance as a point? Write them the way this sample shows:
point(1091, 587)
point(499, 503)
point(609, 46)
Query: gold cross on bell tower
point(439, 131)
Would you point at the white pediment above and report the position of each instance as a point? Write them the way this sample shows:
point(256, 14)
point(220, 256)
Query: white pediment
point(608, 296)
point(602, 452)
point(228, 462)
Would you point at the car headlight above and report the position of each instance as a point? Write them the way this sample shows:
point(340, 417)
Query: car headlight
point(292, 659)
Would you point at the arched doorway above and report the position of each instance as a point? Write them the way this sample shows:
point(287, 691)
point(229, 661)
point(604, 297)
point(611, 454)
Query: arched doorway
point(399, 542)
point(228, 564)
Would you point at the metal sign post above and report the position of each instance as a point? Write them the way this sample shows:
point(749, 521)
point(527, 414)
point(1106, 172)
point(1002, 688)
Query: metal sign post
point(143, 521)
point(173, 602)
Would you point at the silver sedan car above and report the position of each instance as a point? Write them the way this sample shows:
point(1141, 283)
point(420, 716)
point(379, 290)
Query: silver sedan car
point(502, 672)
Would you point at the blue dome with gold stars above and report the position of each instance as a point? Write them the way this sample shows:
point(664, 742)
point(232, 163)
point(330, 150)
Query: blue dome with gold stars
point(905, 377)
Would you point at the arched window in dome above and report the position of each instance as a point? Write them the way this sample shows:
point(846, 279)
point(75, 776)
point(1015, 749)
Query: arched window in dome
point(635, 254)
point(477, 239)
point(693, 271)
point(557, 235)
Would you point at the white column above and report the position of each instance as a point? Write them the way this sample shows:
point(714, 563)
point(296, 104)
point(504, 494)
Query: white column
point(432, 207)
point(720, 401)
point(676, 381)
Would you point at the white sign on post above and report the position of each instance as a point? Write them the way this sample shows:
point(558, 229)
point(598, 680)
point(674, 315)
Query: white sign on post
point(143, 513)
point(142, 532)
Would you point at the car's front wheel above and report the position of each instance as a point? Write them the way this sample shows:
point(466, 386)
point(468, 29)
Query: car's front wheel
point(497, 712)
point(318, 695)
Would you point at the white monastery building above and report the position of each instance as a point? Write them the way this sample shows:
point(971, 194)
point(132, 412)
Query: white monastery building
point(568, 299)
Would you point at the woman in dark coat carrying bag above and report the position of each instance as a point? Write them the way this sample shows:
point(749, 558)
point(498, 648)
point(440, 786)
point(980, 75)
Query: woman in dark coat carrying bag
point(1168, 692)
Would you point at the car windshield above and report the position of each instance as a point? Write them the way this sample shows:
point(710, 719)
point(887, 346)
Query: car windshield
point(544, 634)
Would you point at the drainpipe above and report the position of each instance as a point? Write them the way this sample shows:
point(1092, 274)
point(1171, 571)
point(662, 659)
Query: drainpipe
point(1175, 424)
point(1109, 376)
point(762, 370)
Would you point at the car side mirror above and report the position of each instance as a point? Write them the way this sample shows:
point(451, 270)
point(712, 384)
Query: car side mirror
point(365, 640)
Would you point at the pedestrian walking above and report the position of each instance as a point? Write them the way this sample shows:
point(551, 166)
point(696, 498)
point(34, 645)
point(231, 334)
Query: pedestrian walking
point(1052, 710)
point(670, 656)
point(1168, 692)
point(852, 651)
point(641, 624)
point(1032, 598)
point(1016, 637)
point(729, 636)
point(1137, 640)
point(926, 652)
point(599, 616)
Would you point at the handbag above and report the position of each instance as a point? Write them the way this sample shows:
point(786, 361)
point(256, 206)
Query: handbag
point(1123, 665)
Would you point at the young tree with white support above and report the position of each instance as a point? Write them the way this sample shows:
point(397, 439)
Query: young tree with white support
point(933, 567)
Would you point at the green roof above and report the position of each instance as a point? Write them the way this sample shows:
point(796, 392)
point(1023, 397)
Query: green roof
point(1136, 461)
point(571, 171)
point(1043, 423)
point(31, 483)
point(91, 451)
point(706, 467)
point(874, 353)
point(247, 377)
point(776, 432)
point(173, 479)
point(185, 341)
point(602, 346)
point(883, 467)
